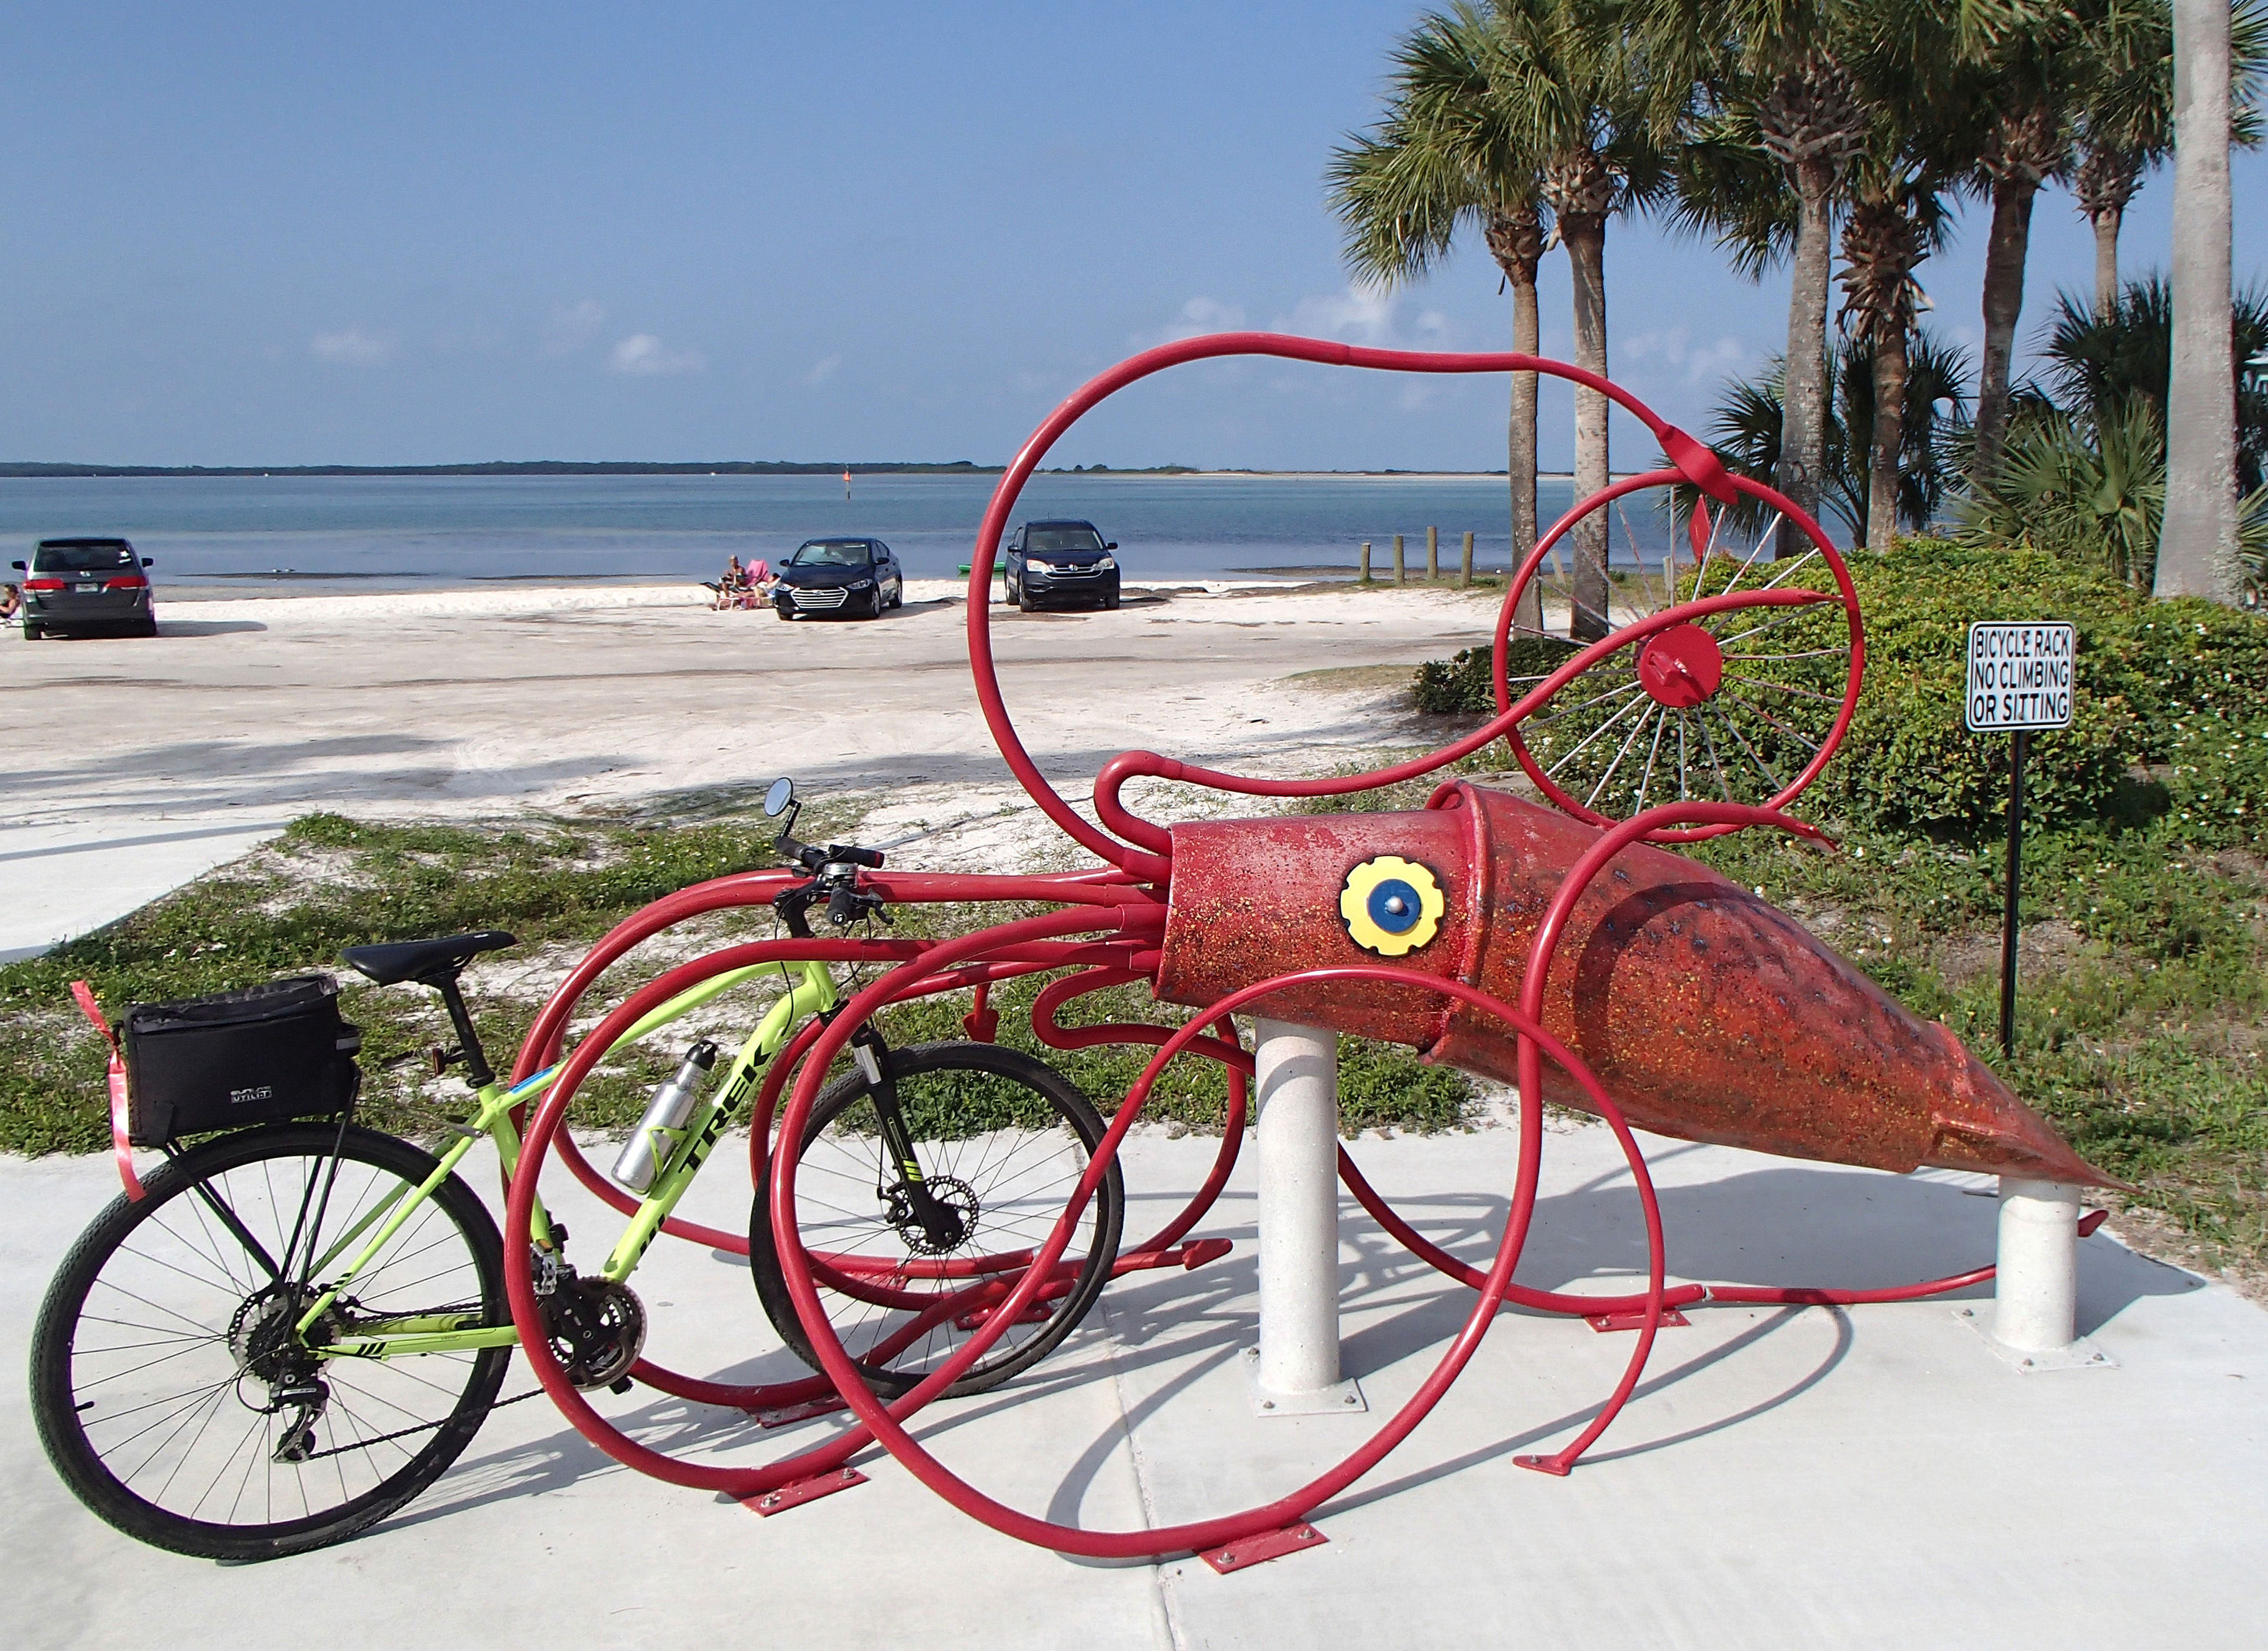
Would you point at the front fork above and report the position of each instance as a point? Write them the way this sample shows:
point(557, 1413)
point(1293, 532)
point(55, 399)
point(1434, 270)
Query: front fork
point(942, 1225)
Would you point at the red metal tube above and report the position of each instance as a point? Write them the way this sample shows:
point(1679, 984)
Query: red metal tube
point(882, 1422)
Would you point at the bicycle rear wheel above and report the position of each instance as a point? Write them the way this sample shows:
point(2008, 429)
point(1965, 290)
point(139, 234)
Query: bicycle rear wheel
point(1002, 1140)
point(168, 1384)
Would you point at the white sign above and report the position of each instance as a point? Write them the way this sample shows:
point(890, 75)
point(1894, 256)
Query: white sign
point(2019, 675)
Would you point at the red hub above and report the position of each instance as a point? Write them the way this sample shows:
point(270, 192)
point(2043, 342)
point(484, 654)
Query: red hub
point(1682, 667)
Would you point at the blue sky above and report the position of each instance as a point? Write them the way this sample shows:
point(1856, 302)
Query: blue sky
point(235, 234)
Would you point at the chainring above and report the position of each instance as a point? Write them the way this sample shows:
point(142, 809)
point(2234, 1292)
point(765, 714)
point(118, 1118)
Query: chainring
point(598, 1330)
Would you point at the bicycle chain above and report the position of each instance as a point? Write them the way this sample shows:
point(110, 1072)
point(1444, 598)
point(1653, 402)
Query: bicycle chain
point(365, 1444)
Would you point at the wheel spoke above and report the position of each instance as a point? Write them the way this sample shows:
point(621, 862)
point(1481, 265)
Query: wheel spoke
point(1637, 728)
point(1792, 734)
point(1577, 750)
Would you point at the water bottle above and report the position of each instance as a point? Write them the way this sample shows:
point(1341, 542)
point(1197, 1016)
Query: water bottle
point(655, 1139)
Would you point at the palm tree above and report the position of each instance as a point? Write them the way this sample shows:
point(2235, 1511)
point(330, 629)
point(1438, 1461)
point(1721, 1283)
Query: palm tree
point(2088, 488)
point(2020, 63)
point(1582, 99)
point(1446, 156)
point(1783, 69)
point(2198, 552)
point(2125, 125)
point(2125, 112)
point(1498, 110)
point(1745, 430)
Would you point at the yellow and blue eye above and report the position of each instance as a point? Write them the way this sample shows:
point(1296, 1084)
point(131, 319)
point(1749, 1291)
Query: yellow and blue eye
point(1391, 906)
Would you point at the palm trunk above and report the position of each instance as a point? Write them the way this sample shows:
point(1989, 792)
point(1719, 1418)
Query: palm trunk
point(2198, 543)
point(1883, 452)
point(2004, 302)
point(1803, 418)
point(1586, 236)
point(2107, 222)
point(1526, 338)
point(1515, 237)
point(2105, 180)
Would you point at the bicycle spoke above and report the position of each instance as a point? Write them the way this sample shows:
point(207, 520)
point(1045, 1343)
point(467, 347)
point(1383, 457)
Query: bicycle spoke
point(1552, 772)
point(1784, 687)
point(1792, 567)
point(1741, 572)
point(1734, 728)
point(1710, 740)
point(1637, 728)
point(1645, 779)
point(1546, 718)
point(1806, 743)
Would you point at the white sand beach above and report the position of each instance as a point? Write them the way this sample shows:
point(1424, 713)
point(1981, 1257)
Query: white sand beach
point(149, 761)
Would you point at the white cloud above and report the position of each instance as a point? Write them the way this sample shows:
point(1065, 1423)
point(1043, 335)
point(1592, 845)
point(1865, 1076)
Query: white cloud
point(643, 355)
point(572, 325)
point(1200, 315)
point(823, 368)
point(352, 347)
point(1689, 363)
point(1366, 315)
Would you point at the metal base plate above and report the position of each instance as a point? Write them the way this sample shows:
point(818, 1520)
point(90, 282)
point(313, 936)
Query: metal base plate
point(803, 1491)
point(1606, 1323)
point(1342, 1399)
point(1270, 1544)
point(2082, 1354)
point(804, 1412)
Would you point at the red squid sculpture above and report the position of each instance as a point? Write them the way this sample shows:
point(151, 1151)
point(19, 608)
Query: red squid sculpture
point(1562, 946)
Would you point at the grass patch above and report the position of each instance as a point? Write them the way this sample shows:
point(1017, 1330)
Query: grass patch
point(331, 882)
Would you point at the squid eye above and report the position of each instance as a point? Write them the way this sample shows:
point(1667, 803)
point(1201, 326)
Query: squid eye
point(1390, 906)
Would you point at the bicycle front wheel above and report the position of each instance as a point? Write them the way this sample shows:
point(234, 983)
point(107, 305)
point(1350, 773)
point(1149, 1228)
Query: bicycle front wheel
point(172, 1390)
point(1001, 1140)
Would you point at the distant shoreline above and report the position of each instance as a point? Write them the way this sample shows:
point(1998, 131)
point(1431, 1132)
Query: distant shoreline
point(27, 471)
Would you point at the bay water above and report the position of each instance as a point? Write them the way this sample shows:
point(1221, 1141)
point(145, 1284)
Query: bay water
point(262, 535)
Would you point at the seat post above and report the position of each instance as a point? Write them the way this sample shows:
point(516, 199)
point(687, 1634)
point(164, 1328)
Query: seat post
point(478, 1073)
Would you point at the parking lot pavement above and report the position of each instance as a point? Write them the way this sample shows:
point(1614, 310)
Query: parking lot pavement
point(1785, 1477)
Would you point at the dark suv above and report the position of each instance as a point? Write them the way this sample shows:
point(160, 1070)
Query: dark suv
point(851, 577)
point(1061, 561)
point(86, 585)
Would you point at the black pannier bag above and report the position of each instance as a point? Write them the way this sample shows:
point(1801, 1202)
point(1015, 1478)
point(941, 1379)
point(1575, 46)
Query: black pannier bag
point(259, 1055)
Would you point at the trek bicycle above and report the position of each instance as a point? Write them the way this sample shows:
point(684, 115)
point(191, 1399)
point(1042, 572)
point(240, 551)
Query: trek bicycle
point(296, 1327)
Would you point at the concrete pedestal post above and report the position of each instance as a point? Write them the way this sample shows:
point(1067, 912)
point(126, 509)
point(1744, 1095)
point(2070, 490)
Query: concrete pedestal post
point(2034, 1322)
point(1295, 1369)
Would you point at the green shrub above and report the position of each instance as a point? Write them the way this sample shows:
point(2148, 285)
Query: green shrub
point(2172, 714)
point(1463, 687)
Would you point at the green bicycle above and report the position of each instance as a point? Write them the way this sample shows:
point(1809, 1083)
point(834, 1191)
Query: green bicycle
point(299, 1326)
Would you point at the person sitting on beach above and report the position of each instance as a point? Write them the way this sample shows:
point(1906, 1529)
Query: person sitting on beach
point(11, 601)
point(730, 587)
point(761, 582)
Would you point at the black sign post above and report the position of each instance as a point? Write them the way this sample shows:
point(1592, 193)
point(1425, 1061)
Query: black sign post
point(2017, 748)
point(2020, 680)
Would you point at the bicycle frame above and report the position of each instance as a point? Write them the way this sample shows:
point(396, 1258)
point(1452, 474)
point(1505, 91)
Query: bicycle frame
point(812, 993)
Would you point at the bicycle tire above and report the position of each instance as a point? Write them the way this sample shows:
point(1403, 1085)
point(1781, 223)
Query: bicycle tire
point(1055, 1164)
point(176, 1276)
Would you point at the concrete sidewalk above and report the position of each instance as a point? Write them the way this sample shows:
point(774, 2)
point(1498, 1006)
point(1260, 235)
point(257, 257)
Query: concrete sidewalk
point(1792, 1477)
point(66, 876)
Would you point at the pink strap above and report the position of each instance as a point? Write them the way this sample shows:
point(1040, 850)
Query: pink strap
point(122, 1150)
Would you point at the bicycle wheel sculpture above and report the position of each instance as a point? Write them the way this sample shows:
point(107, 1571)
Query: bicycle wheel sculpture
point(1534, 942)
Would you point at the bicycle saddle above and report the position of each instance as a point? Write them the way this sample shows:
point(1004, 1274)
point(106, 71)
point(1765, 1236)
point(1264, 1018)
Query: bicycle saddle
point(430, 961)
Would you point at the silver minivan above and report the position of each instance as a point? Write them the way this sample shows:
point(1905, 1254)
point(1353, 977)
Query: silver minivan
point(86, 585)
